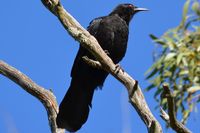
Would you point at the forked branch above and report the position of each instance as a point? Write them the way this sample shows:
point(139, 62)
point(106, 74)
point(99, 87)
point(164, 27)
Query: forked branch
point(170, 118)
point(45, 96)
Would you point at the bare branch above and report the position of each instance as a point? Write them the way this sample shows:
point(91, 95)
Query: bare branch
point(45, 96)
point(90, 43)
point(93, 63)
point(173, 122)
point(164, 115)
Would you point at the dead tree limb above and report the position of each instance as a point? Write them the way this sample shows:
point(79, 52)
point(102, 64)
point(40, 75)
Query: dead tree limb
point(171, 118)
point(90, 43)
point(45, 96)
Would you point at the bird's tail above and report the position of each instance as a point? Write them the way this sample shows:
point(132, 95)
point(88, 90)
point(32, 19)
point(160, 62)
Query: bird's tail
point(74, 108)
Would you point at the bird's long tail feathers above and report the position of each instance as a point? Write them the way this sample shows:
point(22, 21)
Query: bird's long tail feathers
point(74, 108)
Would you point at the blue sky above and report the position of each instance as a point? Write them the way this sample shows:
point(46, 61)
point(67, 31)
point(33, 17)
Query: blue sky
point(33, 41)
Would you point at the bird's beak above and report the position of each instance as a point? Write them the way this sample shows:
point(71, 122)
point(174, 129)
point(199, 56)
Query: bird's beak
point(137, 9)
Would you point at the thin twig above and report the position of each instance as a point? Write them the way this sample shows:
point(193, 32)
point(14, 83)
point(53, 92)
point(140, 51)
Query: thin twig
point(93, 63)
point(164, 116)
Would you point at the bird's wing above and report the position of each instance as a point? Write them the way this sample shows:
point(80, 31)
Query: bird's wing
point(94, 25)
point(92, 28)
point(109, 34)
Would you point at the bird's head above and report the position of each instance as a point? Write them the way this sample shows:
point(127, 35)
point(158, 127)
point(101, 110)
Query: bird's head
point(126, 11)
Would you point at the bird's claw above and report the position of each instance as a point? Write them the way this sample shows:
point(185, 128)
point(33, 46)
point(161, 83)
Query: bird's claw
point(118, 68)
point(107, 52)
point(48, 2)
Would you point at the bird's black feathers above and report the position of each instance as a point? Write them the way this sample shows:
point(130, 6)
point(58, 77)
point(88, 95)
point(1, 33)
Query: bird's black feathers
point(111, 33)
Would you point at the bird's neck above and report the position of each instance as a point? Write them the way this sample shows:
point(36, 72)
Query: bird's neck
point(126, 18)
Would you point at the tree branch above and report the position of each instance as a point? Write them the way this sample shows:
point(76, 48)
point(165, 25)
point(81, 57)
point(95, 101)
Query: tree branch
point(172, 121)
point(164, 116)
point(90, 43)
point(93, 63)
point(45, 96)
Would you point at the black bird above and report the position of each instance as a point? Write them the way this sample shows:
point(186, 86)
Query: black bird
point(112, 34)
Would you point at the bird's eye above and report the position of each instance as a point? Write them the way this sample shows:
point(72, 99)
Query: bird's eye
point(131, 6)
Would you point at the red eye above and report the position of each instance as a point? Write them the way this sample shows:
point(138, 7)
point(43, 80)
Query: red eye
point(130, 5)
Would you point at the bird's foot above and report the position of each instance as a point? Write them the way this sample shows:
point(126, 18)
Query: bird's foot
point(49, 2)
point(118, 68)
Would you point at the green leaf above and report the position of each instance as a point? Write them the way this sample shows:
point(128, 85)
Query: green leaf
point(185, 63)
point(152, 73)
point(172, 46)
point(167, 73)
point(150, 69)
point(154, 67)
point(183, 72)
point(158, 92)
point(158, 80)
point(179, 58)
point(150, 87)
point(196, 80)
point(185, 11)
point(186, 114)
point(196, 7)
point(153, 37)
point(193, 89)
point(169, 56)
point(198, 49)
point(164, 101)
point(157, 40)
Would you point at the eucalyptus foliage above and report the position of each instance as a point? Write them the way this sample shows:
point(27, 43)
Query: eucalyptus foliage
point(177, 62)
